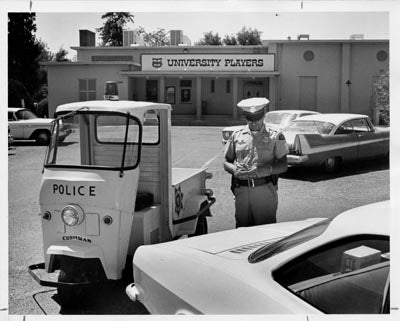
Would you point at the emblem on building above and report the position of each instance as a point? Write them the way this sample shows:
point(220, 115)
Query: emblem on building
point(157, 62)
point(178, 200)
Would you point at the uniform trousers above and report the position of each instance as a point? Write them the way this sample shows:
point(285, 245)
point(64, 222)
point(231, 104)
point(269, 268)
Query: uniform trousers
point(255, 205)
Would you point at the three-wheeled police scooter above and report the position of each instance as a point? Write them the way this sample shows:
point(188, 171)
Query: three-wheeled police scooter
point(109, 188)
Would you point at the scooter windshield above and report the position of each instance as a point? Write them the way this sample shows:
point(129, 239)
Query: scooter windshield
point(104, 140)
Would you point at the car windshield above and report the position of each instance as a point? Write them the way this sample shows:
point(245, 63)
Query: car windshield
point(310, 126)
point(106, 140)
point(288, 242)
point(25, 114)
point(279, 118)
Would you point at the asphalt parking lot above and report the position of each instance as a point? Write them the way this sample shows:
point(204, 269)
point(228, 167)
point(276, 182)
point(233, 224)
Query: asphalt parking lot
point(303, 193)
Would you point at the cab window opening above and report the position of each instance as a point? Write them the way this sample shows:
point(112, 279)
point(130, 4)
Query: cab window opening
point(102, 140)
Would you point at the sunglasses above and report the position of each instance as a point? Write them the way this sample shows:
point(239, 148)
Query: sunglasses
point(253, 117)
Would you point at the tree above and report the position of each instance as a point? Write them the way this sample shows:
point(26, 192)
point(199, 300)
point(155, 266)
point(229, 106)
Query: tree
point(45, 56)
point(111, 32)
point(45, 53)
point(210, 39)
point(230, 40)
point(23, 52)
point(16, 93)
point(27, 77)
point(381, 97)
point(155, 38)
point(61, 55)
point(249, 37)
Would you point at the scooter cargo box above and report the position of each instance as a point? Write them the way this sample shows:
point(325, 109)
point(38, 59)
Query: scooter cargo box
point(359, 258)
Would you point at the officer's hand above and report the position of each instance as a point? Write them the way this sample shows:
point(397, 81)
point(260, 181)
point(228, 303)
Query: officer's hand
point(240, 173)
point(252, 172)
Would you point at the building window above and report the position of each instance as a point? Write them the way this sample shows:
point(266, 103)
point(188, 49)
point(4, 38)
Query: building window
point(152, 90)
point(185, 95)
point(212, 89)
point(170, 95)
point(185, 92)
point(228, 86)
point(87, 89)
point(308, 55)
point(112, 58)
point(185, 83)
point(382, 55)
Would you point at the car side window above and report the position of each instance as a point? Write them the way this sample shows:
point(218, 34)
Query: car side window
point(345, 128)
point(347, 276)
point(10, 116)
point(361, 125)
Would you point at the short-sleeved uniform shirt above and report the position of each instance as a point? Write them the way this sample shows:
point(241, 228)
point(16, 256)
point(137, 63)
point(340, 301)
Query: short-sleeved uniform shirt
point(247, 149)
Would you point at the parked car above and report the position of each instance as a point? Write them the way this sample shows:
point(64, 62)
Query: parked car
point(25, 125)
point(333, 266)
point(276, 119)
point(10, 138)
point(329, 140)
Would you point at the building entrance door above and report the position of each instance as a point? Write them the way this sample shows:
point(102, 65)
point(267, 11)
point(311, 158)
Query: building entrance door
point(152, 90)
point(253, 89)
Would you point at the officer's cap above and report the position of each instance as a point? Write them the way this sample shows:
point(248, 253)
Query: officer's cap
point(253, 108)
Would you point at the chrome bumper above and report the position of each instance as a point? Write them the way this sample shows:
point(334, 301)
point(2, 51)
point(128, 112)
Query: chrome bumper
point(297, 159)
point(132, 292)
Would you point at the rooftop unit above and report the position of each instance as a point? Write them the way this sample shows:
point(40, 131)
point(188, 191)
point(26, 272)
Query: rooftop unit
point(176, 37)
point(87, 38)
point(358, 36)
point(131, 38)
point(303, 37)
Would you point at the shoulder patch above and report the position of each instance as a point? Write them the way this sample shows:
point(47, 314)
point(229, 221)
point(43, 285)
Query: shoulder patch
point(273, 133)
point(281, 136)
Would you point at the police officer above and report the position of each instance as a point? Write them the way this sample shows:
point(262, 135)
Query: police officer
point(255, 156)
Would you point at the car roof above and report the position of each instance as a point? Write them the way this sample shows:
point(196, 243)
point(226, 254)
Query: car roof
point(123, 106)
point(293, 111)
point(334, 118)
point(368, 219)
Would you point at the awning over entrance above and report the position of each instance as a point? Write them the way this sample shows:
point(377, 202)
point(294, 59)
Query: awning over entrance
point(239, 74)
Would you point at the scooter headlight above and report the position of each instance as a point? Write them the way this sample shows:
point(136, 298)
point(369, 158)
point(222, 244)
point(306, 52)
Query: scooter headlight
point(72, 215)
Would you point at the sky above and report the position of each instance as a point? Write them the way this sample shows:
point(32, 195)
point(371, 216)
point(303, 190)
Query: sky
point(273, 25)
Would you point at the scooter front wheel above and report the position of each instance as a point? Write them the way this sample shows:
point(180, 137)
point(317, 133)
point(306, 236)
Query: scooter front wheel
point(69, 296)
point(75, 277)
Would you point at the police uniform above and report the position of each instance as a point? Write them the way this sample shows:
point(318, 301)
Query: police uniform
point(256, 198)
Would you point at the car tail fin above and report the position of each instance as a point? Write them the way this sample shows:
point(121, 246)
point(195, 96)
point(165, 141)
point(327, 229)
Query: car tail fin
point(297, 146)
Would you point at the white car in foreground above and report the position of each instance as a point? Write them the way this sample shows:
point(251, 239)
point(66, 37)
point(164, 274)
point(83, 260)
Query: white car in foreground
point(276, 119)
point(338, 266)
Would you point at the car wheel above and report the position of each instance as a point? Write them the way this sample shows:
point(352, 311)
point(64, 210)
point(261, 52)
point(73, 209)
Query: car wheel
point(331, 164)
point(42, 137)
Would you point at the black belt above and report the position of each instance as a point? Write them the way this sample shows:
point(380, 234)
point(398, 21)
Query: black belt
point(251, 182)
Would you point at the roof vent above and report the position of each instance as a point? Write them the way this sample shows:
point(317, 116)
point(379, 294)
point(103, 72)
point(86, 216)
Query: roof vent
point(303, 37)
point(251, 247)
point(358, 36)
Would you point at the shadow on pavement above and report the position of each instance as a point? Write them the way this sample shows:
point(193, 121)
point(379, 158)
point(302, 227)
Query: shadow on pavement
point(108, 298)
point(317, 174)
